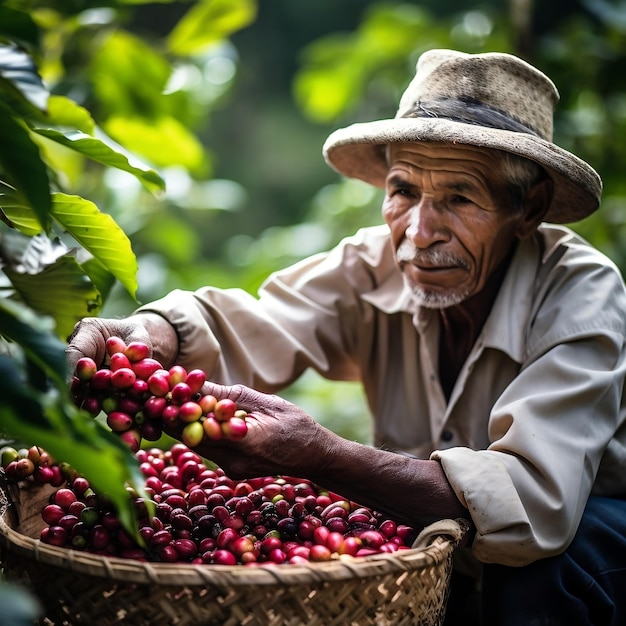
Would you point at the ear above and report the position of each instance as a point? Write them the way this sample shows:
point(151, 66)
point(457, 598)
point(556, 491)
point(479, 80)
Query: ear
point(536, 206)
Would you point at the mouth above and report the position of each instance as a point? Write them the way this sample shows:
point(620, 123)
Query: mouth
point(433, 275)
point(434, 268)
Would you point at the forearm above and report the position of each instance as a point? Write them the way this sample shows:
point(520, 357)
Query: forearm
point(283, 439)
point(413, 491)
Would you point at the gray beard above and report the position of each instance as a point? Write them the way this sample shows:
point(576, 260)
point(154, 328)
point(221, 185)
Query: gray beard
point(431, 299)
point(436, 300)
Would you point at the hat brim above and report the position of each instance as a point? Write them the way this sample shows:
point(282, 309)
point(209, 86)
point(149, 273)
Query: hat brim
point(358, 151)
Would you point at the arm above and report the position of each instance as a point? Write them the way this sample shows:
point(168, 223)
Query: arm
point(309, 313)
point(283, 439)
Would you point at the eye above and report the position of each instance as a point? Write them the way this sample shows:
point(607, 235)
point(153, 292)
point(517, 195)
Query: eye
point(459, 199)
point(404, 191)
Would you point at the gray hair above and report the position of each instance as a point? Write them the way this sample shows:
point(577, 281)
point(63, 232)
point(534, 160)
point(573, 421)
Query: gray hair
point(520, 174)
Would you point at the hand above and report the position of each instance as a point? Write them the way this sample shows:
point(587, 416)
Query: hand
point(90, 335)
point(281, 438)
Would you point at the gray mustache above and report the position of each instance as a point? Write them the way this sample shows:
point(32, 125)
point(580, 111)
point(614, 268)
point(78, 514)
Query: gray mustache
point(410, 254)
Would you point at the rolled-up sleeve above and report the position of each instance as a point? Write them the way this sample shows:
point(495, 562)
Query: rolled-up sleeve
point(309, 315)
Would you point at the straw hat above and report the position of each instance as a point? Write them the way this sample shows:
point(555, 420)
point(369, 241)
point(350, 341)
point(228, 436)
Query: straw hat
point(490, 100)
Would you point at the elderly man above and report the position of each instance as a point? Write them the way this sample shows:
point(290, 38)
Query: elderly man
point(489, 341)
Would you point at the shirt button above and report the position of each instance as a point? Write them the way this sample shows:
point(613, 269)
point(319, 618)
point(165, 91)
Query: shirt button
point(447, 435)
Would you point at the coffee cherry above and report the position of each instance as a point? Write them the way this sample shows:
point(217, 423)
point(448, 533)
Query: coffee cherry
point(193, 434)
point(159, 383)
point(207, 403)
point(212, 428)
point(170, 415)
point(145, 367)
point(54, 536)
point(177, 374)
point(181, 393)
point(101, 380)
point(85, 368)
point(8, 454)
point(195, 379)
point(119, 422)
point(203, 516)
point(189, 412)
point(235, 428)
point(132, 438)
point(24, 468)
point(224, 409)
point(114, 345)
point(151, 431)
point(118, 360)
point(153, 407)
point(136, 351)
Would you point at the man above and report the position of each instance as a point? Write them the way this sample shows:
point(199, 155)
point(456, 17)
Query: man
point(489, 341)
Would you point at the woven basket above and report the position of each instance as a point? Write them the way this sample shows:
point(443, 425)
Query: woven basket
point(406, 587)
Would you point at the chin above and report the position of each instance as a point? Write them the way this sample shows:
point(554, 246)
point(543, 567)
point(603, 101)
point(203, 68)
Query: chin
point(437, 299)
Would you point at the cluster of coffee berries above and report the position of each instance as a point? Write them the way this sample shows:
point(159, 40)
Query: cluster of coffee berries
point(32, 464)
point(139, 396)
point(204, 517)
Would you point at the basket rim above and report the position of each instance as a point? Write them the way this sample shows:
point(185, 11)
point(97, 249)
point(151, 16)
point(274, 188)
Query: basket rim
point(434, 544)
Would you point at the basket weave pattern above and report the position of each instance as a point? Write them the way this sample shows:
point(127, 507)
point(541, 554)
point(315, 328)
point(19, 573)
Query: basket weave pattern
point(409, 587)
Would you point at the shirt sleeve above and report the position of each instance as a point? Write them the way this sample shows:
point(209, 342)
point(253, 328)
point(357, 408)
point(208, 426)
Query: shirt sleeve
point(549, 430)
point(303, 316)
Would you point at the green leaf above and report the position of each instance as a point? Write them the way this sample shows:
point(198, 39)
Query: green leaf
point(324, 93)
point(128, 76)
point(18, 26)
point(65, 112)
point(21, 160)
point(99, 234)
point(20, 214)
point(18, 70)
point(208, 22)
point(20, 607)
point(99, 276)
point(150, 137)
point(61, 290)
point(35, 335)
point(97, 150)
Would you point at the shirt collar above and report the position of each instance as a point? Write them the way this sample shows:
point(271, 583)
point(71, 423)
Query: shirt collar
point(505, 327)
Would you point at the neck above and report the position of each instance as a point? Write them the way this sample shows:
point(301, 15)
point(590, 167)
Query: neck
point(461, 325)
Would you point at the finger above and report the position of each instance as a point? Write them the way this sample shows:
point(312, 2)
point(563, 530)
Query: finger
point(236, 393)
point(85, 341)
point(244, 397)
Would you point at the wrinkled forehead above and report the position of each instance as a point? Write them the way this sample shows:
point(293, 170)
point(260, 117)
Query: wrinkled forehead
point(479, 166)
point(436, 154)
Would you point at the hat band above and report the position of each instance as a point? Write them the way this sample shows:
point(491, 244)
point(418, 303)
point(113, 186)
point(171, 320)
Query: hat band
point(468, 111)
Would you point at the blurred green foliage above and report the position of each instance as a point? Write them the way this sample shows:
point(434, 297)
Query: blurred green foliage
point(81, 97)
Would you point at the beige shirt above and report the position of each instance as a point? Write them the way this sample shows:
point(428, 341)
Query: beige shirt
point(535, 422)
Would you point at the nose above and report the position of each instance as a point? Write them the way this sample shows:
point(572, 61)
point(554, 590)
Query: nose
point(426, 227)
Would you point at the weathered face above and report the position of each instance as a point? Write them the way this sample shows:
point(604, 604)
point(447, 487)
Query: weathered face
point(446, 207)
